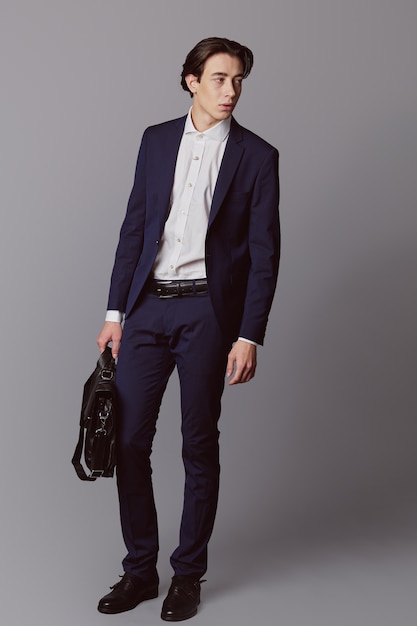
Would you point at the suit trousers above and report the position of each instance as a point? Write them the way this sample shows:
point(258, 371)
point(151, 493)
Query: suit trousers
point(158, 335)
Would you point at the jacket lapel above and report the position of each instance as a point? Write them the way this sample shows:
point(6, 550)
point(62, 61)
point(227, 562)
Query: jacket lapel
point(231, 158)
point(165, 171)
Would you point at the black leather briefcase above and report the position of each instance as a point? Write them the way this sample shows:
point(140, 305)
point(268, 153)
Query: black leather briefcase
point(98, 422)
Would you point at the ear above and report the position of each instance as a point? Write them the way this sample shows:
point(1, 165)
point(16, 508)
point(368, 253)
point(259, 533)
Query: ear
point(192, 82)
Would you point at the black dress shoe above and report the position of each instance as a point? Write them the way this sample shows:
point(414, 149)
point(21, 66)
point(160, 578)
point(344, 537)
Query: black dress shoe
point(128, 593)
point(182, 600)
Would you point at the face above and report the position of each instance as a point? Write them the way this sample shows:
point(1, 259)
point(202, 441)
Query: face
point(216, 94)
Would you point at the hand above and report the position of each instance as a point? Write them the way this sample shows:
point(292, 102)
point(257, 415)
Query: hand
point(111, 331)
point(242, 359)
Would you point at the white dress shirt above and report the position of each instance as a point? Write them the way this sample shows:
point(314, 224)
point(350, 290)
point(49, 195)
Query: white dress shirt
point(181, 252)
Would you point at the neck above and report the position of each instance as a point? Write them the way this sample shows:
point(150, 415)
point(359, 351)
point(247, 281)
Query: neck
point(201, 122)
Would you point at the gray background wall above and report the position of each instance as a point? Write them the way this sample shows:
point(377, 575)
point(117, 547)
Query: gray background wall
point(318, 453)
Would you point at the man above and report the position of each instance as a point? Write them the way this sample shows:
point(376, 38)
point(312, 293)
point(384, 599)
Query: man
point(194, 276)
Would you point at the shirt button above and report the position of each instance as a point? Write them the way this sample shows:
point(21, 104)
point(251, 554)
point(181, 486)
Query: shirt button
point(200, 136)
point(171, 266)
point(179, 240)
point(196, 158)
point(189, 185)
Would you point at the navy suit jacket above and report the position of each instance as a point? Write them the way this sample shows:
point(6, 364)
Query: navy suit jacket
point(242, 240)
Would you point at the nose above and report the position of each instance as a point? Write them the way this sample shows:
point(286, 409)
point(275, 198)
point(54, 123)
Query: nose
point(230, 89)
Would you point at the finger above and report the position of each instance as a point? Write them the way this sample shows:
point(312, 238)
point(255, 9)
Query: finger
point(236, 378)
point(243, 374)
point(230, 365)
point(102, 343)
point(115, 348)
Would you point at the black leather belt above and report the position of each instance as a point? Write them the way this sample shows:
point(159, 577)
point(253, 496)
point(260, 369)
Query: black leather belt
point(177, 288)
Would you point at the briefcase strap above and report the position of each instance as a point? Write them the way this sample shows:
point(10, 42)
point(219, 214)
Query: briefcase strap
point(76, 459)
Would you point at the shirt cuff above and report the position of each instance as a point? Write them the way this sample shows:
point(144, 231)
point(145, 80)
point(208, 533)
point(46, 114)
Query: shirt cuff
point(114, 316)
point(248, 341)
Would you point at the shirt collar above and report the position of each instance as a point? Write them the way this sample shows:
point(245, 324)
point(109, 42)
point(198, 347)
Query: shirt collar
point(219, 132)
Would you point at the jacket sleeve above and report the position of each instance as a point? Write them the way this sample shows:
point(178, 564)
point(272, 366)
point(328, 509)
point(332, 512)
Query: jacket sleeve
point(264, 250)
point(131, 237)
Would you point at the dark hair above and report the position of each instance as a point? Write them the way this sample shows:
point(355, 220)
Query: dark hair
point(197, 57)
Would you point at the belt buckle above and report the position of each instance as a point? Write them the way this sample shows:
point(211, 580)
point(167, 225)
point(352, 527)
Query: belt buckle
point(164, 296)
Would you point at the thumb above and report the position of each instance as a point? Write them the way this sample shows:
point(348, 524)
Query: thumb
point(115, 348)
point(230, 364)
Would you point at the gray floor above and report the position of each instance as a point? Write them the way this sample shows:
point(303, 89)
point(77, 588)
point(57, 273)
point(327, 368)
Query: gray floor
point(324, 573)
point(348, 580)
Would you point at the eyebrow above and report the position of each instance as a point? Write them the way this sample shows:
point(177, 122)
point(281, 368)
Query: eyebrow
point(225, 74)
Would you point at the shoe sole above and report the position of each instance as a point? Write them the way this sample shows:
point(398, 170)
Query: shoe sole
point(173, 618)
point(109, 611)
